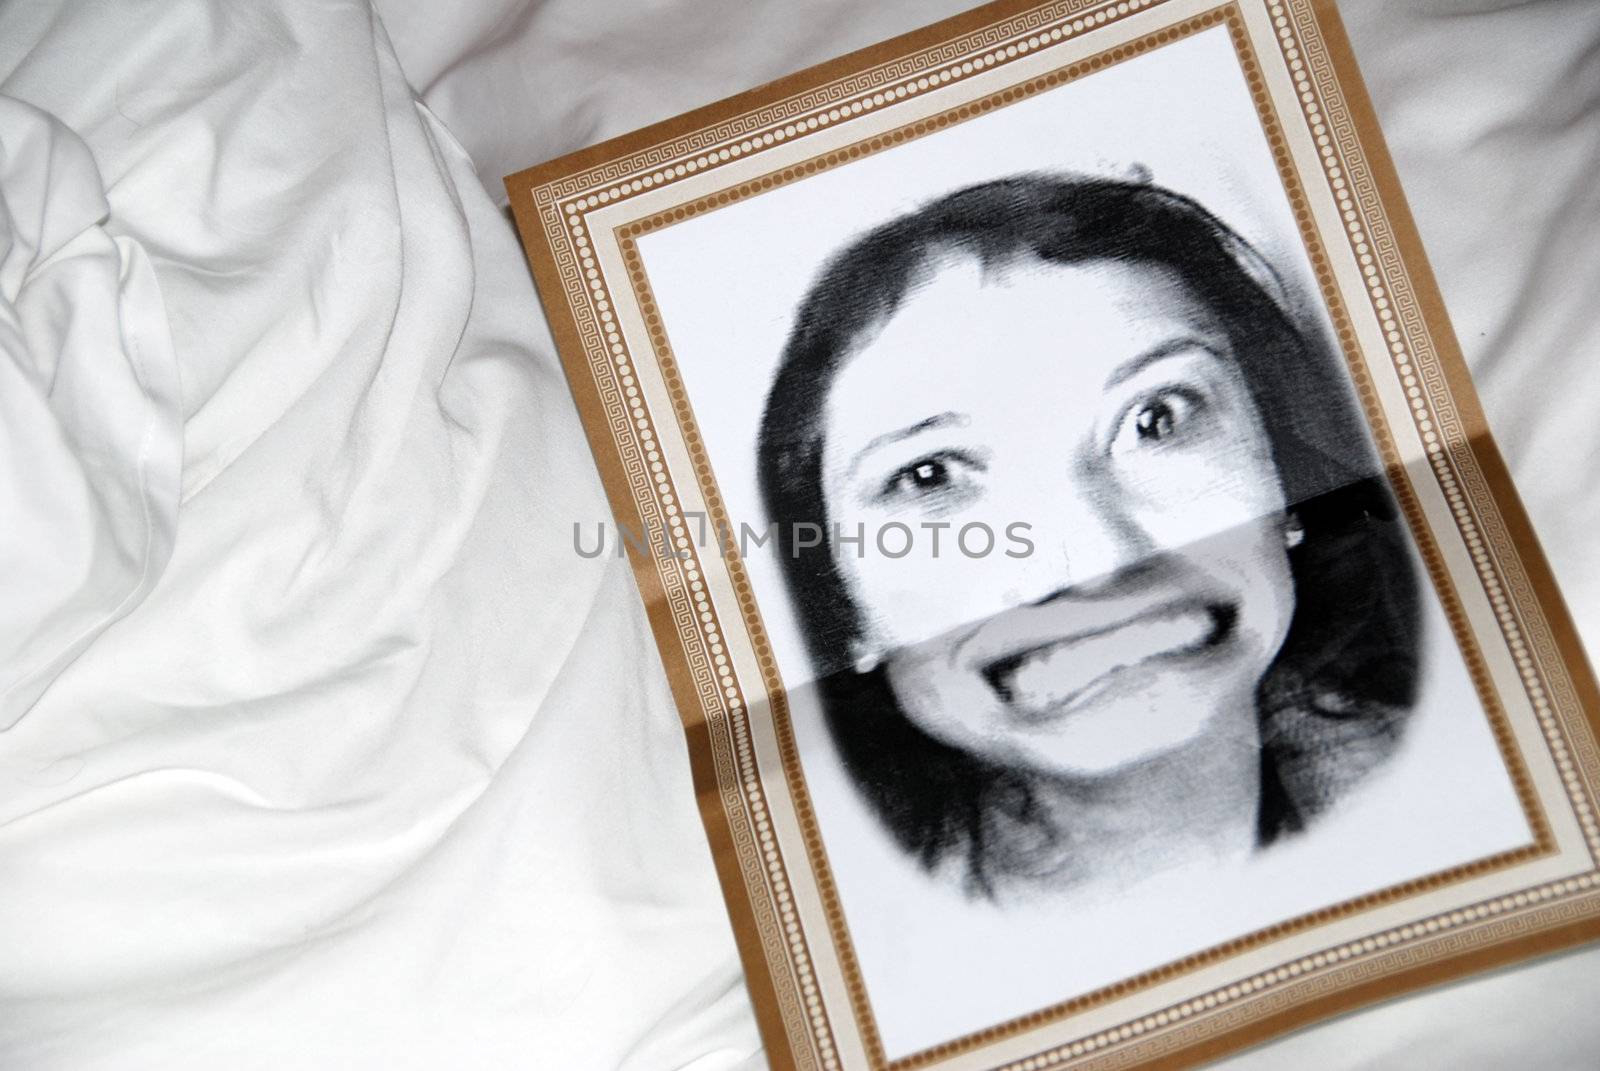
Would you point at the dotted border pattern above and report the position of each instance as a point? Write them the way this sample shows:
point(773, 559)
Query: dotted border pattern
point(1529, 655)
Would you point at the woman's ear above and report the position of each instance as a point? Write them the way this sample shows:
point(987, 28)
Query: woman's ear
point(865, 657)
point(1294, 532)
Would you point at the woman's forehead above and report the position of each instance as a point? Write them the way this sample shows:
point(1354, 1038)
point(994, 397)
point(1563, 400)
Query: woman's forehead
point(1022, 324)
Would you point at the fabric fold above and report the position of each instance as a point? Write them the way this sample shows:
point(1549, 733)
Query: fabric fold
point(90, 433)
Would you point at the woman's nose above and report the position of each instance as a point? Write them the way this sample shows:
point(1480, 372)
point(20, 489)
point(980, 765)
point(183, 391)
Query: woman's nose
point(1087, 539)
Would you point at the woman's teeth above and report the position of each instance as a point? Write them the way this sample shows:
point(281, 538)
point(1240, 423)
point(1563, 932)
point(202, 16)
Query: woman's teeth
point(1048, 677)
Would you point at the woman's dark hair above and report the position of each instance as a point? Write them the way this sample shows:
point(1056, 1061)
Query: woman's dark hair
point(1335, 699)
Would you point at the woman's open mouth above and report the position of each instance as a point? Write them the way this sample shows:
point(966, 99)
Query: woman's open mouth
point(1050, 680)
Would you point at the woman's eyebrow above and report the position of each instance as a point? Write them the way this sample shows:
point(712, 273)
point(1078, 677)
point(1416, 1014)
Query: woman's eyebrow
point(1134, 365)
point(947, 419)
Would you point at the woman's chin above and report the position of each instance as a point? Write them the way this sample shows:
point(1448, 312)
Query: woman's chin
point(1087, 754)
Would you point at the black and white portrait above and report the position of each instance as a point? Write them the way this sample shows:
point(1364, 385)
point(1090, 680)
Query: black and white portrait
point(1212, 631)
point(1104, 633)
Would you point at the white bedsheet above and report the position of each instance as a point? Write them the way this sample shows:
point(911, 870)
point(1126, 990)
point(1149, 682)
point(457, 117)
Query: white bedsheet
point(376, 772)
point(380, 774)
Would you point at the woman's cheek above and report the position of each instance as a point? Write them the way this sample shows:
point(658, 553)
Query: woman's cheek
point(1204, 496)
point(953, 707)
point(928, 595)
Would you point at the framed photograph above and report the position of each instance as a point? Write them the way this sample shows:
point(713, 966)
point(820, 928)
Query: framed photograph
point(1104, 630)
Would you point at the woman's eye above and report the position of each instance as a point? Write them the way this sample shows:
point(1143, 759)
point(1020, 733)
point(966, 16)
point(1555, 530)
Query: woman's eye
point(1157, 419)
point(929, 479)
point(926, 475)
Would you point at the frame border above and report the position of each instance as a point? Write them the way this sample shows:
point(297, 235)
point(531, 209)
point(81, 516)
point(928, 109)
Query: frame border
point(1464, 461)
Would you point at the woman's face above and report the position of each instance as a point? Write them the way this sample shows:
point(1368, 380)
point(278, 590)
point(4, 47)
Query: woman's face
point(1100, 405)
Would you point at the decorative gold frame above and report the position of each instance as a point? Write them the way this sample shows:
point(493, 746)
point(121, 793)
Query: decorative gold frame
point(581, 218)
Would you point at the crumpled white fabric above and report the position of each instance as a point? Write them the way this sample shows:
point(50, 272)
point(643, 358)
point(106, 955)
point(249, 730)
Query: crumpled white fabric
point(380, 773)
point(90, 437)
